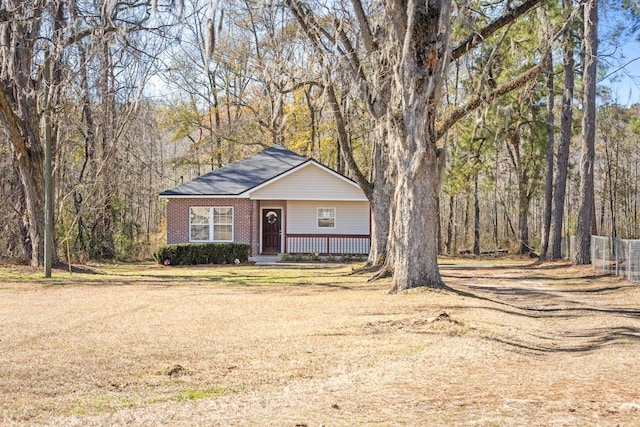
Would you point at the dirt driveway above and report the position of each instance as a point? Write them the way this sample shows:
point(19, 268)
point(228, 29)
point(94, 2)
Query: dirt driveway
point(509, 344)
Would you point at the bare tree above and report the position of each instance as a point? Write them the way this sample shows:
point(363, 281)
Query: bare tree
point(21, 29)
point(408, 54)
point(31, 30)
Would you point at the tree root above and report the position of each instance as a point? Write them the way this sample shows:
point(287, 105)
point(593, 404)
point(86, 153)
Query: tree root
point(383, 272)
point(367, 268)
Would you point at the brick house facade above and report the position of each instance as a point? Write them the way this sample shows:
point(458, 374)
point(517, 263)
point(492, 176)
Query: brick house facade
point(246, 227)
point(276, 201)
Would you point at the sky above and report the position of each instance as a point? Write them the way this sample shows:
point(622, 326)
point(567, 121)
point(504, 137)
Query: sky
point(625, 83)
point(623, 61)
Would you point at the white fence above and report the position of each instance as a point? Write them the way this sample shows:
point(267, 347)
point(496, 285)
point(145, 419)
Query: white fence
point(616, 256)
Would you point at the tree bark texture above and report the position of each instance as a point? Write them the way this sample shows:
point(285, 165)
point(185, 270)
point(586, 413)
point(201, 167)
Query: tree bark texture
point(586, 210)
point(381, 195)
point(414, 257)
point(562, 161)
point(422, 30)
point(30, 169)
point(548, 171)
point(19, 116)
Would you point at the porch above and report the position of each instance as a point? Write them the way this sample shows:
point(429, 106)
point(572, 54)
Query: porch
point(327, 244)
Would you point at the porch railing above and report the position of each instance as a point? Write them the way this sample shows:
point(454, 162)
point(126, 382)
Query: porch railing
point(328, 244)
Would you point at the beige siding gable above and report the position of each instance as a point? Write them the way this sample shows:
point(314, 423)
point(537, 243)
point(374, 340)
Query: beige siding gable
point(350, 217)
point(309, 182)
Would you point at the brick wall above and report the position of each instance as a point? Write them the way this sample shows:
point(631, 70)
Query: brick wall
point(255, 228)
point(245, 227)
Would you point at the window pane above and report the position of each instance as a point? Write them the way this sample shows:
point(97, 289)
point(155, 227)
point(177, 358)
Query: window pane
point(326, 223)
point(200, 232)
point(326, 217)
point(222, 211)
point(223, 220)
point(199, 216)
point(326, 213)
point(201, 224)
point(223, 216)
point(222, 232)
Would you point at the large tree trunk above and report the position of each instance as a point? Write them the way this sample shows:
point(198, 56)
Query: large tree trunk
point(562, 162)
point(380, 222)
point(19, 110)
point(422, 32)
point(20, 113)
point(30, 169)
point(380, 204)
point(22, 236)
point(586, 215)
point(414, 255)
point(19, 116)
point(548, 171)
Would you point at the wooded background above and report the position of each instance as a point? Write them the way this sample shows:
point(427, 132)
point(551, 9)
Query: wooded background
point(146, 95)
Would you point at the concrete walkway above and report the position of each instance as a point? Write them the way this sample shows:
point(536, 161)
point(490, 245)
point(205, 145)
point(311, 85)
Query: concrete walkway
point(266, 259)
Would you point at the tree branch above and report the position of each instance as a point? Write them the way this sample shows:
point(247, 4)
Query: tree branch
point(351, 55)
point(314, 31)
point(347, 153)
point(367, 37)
point(296, 86)
point(480, 99)
point(475, 39)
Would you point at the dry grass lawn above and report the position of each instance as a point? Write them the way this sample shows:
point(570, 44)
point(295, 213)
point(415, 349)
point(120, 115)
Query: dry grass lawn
point(509, 344)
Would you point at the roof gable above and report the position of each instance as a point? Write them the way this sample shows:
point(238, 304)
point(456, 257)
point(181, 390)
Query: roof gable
point(238, 177)
point(309, 181)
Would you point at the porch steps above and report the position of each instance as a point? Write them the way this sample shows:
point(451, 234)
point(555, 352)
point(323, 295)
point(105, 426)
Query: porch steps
point(266, 259)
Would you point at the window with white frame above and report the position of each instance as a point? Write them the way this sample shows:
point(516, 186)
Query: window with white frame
point(326, 217)
point(210, 224)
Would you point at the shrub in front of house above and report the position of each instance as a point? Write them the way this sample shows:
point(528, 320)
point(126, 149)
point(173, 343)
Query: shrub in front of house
point(201, 253)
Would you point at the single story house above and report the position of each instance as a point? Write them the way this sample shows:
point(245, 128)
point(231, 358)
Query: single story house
point(277, 202)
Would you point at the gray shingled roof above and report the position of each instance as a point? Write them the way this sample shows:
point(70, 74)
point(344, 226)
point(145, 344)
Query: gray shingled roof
point(242, 175)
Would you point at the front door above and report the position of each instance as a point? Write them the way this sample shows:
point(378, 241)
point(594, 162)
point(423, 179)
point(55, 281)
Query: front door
point(271, 231)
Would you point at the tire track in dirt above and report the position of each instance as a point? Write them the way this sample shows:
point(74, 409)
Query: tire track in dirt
point(562, 309)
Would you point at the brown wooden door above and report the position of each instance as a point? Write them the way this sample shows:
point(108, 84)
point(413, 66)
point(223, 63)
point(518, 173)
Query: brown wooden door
point(271, 231)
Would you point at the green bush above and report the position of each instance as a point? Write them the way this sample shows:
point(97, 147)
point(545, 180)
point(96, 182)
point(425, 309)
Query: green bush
point(202, 253)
